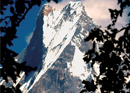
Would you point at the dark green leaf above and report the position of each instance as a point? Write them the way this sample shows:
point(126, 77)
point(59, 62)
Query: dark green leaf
point(128, 85)
point(1, 12)
point(56, 1)
point(12, 10)
point(11, 2)
point(10, 43)
point(3, 8)
point(129, 14)
point(6, 22)
point(14, 54)
point(119, 1)
point(39, 2)
point(109, 26)
point(48, 0)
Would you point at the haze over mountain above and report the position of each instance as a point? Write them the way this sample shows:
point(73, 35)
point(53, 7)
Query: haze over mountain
point(57, 48)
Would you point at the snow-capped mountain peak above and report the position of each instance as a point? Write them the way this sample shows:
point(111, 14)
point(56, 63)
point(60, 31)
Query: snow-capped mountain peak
point(76, 5)
point(57, 48)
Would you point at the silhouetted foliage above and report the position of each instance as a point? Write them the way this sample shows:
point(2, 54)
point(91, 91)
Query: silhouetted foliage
point(11, 68)
point(113, 56)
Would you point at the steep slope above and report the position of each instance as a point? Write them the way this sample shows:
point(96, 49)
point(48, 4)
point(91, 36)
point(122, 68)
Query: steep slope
point(57, 48)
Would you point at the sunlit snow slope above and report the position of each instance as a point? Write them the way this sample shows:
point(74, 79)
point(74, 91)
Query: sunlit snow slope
point(57, 48)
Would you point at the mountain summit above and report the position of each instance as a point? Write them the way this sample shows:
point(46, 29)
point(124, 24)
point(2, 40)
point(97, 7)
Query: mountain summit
point(57, 48)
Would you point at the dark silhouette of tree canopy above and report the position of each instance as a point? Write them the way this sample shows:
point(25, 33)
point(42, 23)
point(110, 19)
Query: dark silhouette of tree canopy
point(11, 68)
point(113, 56)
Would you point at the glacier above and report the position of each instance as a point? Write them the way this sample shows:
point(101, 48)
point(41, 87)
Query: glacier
point(57, 48)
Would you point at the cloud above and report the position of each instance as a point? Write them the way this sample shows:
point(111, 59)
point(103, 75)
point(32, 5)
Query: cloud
point(28, 37)
point(96, 9)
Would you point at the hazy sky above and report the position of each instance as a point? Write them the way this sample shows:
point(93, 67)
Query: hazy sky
point(96, 9)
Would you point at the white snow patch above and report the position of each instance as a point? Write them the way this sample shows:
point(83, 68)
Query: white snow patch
point(56, 14)
point(78, 67)
point(96, 67)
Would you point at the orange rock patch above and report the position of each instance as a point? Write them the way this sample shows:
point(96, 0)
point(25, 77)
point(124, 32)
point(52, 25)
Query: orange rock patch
point(47, 11)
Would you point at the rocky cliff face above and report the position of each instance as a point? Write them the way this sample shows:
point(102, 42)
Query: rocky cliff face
point(57, 48)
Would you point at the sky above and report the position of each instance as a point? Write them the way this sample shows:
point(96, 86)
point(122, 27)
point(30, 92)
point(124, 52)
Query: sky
point(96, 9)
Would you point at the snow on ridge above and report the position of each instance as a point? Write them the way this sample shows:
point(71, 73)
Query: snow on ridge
point(56, 39)
point(53, 19)
point(62, 37)
point(53, 54)
point(50, 32)
point(77, 3)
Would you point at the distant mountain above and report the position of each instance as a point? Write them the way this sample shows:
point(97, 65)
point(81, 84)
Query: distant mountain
point(57, 48)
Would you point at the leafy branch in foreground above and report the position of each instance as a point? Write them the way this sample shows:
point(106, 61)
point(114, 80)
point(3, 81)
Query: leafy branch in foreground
point(11, 68)
point(113, 56)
